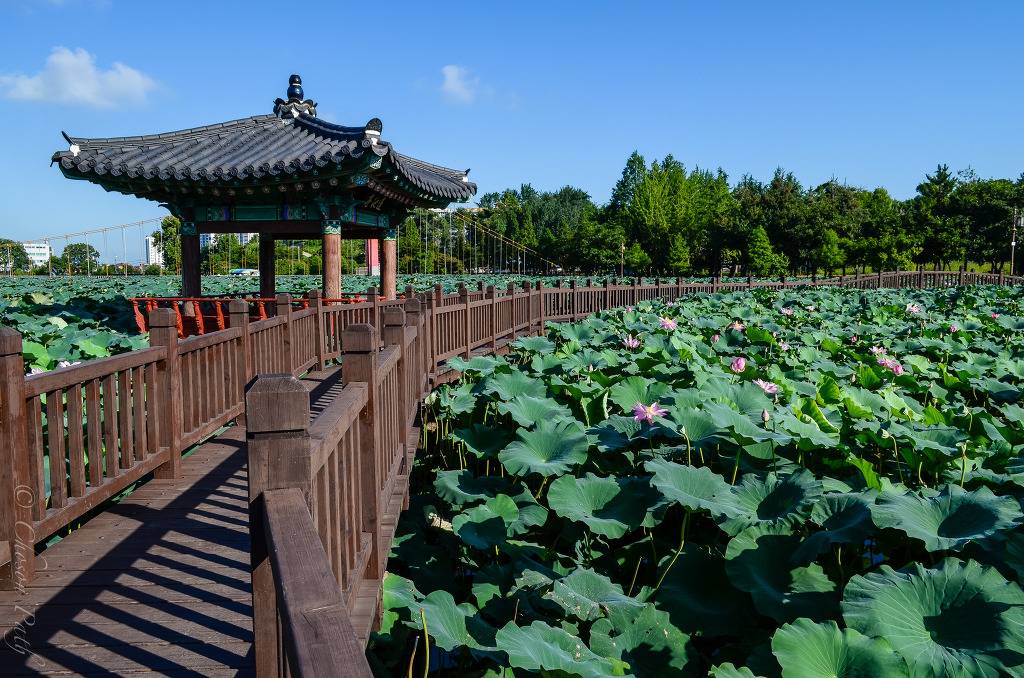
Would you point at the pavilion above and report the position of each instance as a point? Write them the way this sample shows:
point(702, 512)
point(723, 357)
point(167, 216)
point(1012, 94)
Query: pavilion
point(286, 175)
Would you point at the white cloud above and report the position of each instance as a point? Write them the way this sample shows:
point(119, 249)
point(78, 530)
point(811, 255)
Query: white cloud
point(71, 77)
point(459, 86)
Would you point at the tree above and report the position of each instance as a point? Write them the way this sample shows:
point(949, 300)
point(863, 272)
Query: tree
point(13, 257)
point(829, 255)
point(983, 210)
point(167, 240)
point(933, 218)
point(79, 257)
point(886, 242)
point(224, 254)
point(625, 188)
point(762, 260)
point(636, 259)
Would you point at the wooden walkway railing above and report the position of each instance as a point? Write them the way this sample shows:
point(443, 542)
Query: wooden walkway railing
point(78, 436)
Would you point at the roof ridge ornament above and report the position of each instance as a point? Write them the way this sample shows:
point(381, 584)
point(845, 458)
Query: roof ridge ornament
point(294, 105)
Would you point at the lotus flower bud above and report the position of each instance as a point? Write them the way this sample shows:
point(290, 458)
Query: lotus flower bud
point(765, 416)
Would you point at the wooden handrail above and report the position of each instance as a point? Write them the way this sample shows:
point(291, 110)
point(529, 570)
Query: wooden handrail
point(319, 639)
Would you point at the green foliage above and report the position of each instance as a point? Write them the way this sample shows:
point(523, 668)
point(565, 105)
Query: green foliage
point(857, 522)
point(761, 259)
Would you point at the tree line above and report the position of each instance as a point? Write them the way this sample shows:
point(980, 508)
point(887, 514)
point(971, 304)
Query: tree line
point(665, 219)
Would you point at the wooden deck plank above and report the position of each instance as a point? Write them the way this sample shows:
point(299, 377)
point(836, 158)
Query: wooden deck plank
point(157, 583)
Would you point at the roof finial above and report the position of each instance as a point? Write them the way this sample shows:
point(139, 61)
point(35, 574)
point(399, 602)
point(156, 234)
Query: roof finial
point(295, 105)
point(295, 88)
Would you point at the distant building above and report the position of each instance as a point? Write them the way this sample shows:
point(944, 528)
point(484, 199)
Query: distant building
point(39, 253)
point(153, 255)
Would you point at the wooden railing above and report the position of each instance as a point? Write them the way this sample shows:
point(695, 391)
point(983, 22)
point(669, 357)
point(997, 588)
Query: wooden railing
point(348, 472)
point(77, 436)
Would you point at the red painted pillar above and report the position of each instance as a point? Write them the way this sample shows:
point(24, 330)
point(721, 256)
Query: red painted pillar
point(372, 258)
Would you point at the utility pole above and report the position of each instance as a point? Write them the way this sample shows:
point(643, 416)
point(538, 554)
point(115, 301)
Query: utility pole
point(1013, 239)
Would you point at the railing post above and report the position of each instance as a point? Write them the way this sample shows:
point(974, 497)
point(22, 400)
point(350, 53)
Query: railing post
point(394, 335)
point(17, 493)
point(414, 318)
point(878, 282)
point(493, 324)
point(466, 325)
point(238, 316)
point(430, 327)
point(278, 445)
point(750, 281)
point(360, 365)
point(510, 290)
point(540, 307)
point(814, 279)
point(607, 295)
point(1000, 283)
point(634, 297)
point(528, 320)
point(573, 299)
point(410, 292)
point(960, 277)
point(316, 302)
point(371, 295)
point(163, 331)
point(283, 302)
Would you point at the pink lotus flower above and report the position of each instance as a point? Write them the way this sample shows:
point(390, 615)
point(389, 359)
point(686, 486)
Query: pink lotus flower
point(877, 350)
point(631, 342)
point(853, 339)
point(787, 311)
point(647, 413)
point(629, 309)
point(715, 338)
point(671, 304)
point(994, 315)
point(739, 363)
point(767, 386)
point(953, 329)
point(783, 346)
point(811, 307)
point(913, 309)
point(738, 326)
point(667, 323)
point(891, 365)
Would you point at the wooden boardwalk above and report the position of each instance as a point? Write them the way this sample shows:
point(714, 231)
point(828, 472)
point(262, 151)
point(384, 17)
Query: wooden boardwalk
point(158, 583)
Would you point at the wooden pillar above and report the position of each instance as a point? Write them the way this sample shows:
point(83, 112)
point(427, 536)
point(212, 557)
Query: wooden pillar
point(17, 491)
point(268, 274)
point(283, 303)
point(238, 316)
point(163, 331)
point(191, 283)
point(492, 323)
point(332, 262)
point(316, 302)
point(359, 364)
point(388, 267)
point(277, 439)
point(467, 326)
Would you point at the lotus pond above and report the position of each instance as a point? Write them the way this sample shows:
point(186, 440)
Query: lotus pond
point(799, 483)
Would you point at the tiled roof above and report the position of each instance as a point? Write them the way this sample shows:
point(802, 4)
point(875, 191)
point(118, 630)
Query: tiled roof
point(253, 148)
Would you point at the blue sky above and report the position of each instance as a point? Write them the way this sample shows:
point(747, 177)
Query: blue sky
point(548, 93)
